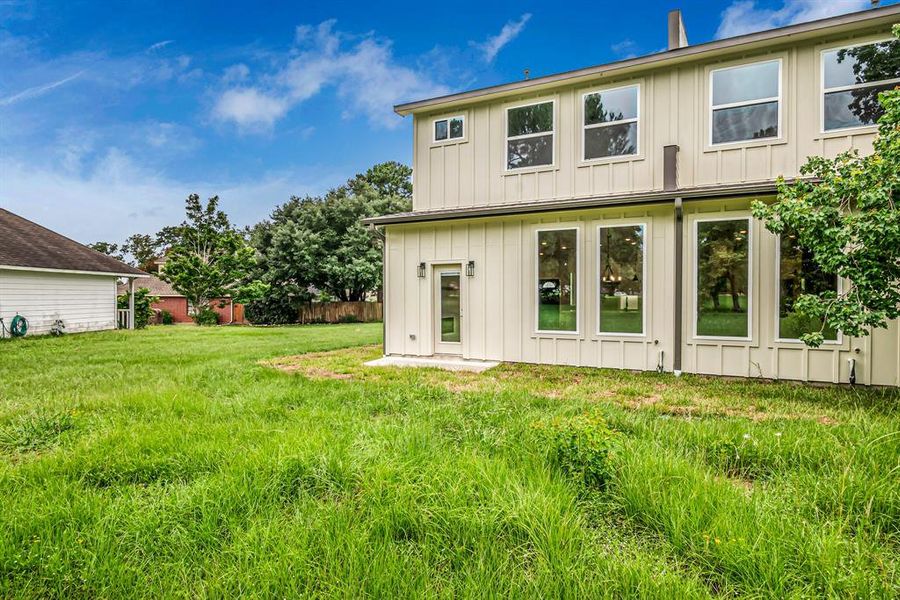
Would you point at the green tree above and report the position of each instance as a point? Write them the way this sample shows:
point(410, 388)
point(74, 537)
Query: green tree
point(848, 217)
point(208, 258)
point(144, 249)
point(109, 249)
point(320, 243)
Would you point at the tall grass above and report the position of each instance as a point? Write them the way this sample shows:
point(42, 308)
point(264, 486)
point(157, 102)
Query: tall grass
point(174, 462)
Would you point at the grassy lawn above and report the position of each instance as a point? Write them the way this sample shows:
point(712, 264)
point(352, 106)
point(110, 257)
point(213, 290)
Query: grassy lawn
point(189, 462)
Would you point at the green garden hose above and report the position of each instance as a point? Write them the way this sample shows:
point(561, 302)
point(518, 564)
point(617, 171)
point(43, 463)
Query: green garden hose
point(18, 326)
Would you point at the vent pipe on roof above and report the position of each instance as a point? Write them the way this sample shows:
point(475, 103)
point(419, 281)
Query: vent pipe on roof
point(677, 35)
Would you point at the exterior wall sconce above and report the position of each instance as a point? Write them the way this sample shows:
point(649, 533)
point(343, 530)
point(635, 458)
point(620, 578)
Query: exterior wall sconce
point(421, 270)
point(470, 269)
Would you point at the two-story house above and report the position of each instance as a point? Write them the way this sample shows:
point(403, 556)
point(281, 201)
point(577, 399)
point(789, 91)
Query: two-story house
point(600, 217)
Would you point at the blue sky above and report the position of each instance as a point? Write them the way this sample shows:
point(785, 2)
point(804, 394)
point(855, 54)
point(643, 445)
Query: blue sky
point(111, 113)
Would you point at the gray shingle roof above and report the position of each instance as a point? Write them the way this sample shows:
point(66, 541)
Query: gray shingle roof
point(157, 287)
point(27, 244)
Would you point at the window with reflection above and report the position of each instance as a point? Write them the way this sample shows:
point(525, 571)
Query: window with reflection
point(852, 79)
point(799, 274)
point(745, 102)
point(448, 129)
point(529, 136)
point(611, 123)
point(622, 279)
point(723, 267)
point(557, 280)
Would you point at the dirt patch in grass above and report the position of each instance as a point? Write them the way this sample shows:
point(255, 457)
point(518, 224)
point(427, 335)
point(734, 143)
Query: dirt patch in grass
point(694, 397)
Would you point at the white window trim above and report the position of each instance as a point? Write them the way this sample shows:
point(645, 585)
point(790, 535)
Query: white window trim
point(636, 120)
point(843, 88)
point(713, 107)
point(777, 334)
point(538, 332)
point(449, 140)
point(696, 278)
point(507, 138)
point(644, 287)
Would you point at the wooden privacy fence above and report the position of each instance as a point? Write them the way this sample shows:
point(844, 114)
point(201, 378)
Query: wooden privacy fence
point(341, 312)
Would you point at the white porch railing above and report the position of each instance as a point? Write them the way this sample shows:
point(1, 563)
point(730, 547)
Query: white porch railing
point(123, 318)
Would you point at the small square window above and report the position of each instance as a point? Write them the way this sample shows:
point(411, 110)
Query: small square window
point(449, 129)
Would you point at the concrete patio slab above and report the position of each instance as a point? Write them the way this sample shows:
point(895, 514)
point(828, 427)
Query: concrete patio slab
point(448, 363)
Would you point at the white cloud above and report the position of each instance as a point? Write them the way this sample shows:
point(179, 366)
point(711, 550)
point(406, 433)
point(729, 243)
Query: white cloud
point(743, 16)
point(234, 73)
point(363, 71)
point(38, 90)
point(627, 48)
point(249, 108)
point(159, 45)
point(492, 46)
point(120, 197)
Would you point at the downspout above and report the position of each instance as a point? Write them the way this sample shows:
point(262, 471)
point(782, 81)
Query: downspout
point(383, 237)
point(679, 286)
point(670, 183)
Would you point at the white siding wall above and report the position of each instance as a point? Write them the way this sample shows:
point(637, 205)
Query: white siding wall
point(674, 109)
point(83, 302)
point(499, 302)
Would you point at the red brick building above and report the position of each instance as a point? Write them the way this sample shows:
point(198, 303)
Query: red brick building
point(177, 305)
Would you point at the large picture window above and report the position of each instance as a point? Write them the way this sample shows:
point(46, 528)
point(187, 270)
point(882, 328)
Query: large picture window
point(611, 123)
point(621, 279)
point(798, 274)
point(723, 278)
point(852, 77)
point(529, 136)
point(557, 284)
point(745, 102)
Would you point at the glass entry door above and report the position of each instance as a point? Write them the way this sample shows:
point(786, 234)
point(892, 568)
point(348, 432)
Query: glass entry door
point(447, 310)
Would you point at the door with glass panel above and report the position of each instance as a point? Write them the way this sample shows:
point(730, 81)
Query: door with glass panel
point(447, 310)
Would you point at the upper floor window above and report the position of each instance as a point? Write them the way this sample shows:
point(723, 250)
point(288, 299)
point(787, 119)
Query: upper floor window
point(746, 102)
point(529, 135)
point(449, 129)
point(611, 123)
point(852, 77)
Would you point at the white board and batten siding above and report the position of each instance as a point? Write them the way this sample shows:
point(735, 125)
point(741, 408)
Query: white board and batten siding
point(83, 302)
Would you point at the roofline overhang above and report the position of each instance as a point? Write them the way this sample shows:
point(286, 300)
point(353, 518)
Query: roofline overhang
point(72, 271)
point(543, 206)
point(874, 17)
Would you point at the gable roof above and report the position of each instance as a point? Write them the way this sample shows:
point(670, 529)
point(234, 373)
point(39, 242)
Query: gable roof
point(851, 22)
point(25, 244)
point(157, 287)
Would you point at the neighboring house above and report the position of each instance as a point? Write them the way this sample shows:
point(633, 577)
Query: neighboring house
point(600, 217)
point(46, 277)
point(178, 306)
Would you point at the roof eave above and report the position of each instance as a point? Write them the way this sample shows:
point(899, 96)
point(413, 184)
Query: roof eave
point(871, 18)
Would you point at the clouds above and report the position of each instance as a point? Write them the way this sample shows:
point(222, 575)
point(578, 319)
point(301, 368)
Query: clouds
point(38, 90)
point(495, 43)
point(118, 196)
point(249, 108)
point(743, 16)
point(362, 70)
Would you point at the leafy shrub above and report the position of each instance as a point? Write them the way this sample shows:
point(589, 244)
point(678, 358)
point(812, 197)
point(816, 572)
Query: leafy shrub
point(206, 316)
point(143, 311)
point(166, 318)
point(348, 319)
point(272, 310)
point(580, 447)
